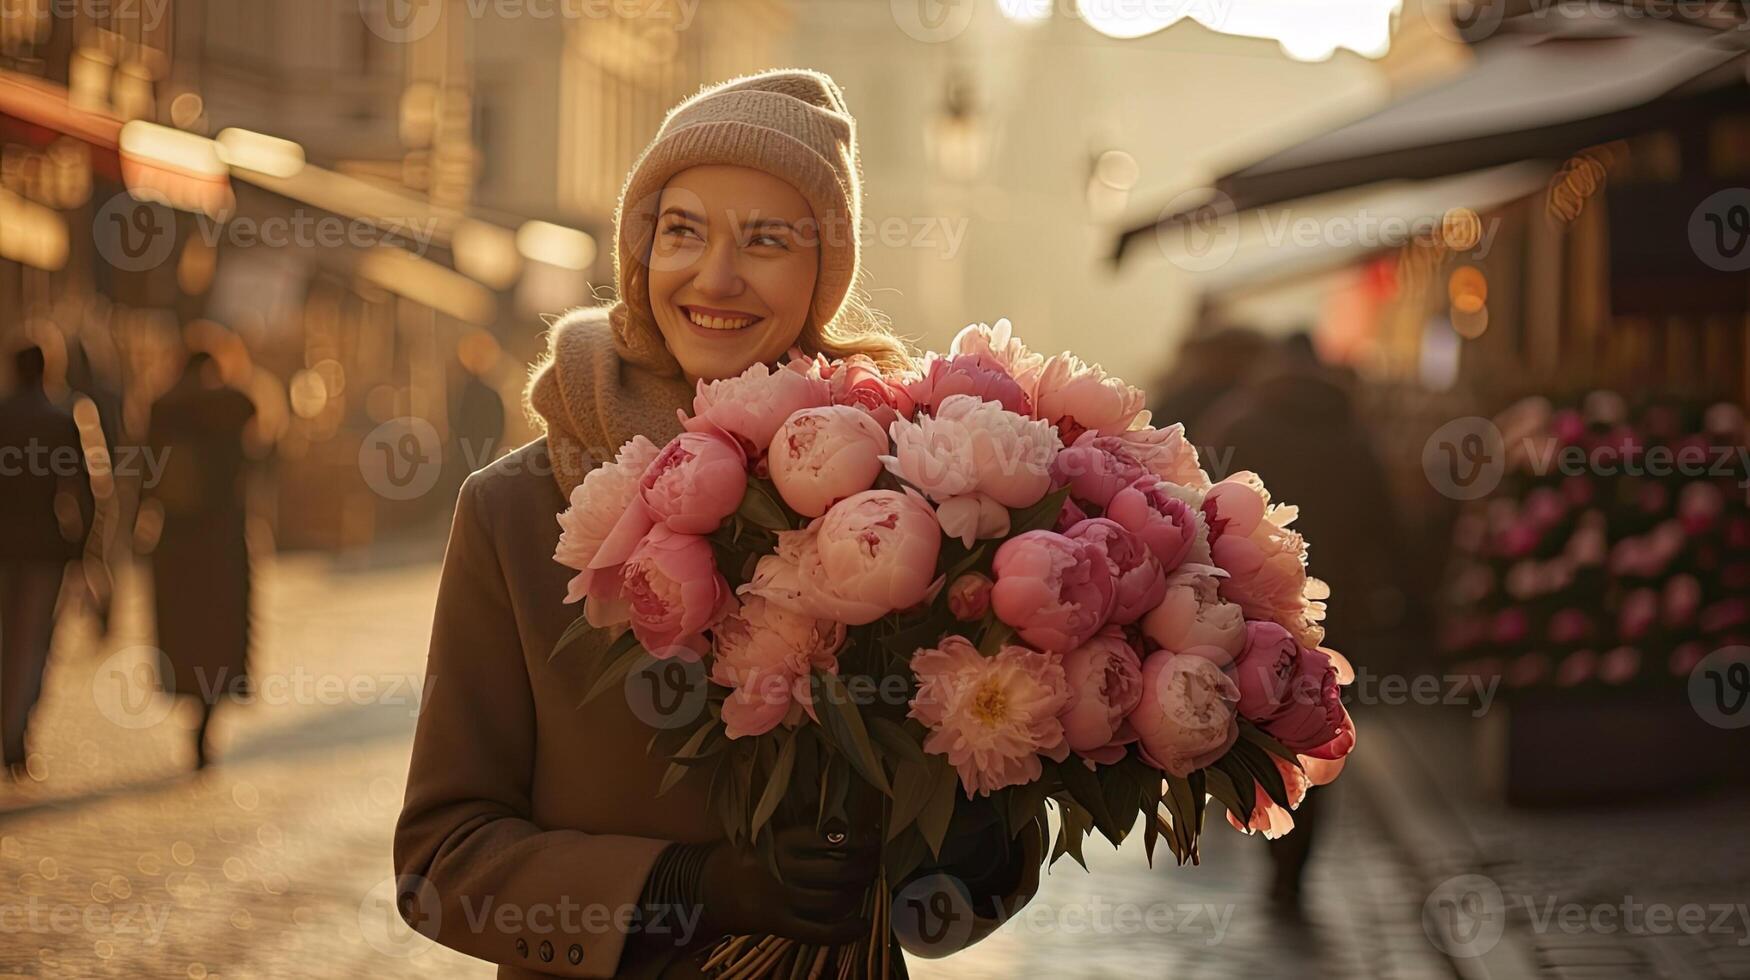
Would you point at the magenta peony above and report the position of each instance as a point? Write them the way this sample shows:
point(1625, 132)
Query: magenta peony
point(1185, 718)
point(1312, 714)
point(978, 375)
point(1138, 582)
point(1264, 670)
point(674, 593)
point(1105, 683)
point(823, 455)
point(1096, 467)
point(857, 381)
point(993, 717)
point(1055, 592)
point(765, 654)
point(1160, 514)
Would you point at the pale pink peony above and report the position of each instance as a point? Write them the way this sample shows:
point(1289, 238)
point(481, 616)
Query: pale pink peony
point(1193, 613)
point(1105, 682)
point(1139, 583)
point(695, 482)
point(998, 342)
point(857, 381)
point(1250, 539)
point(674, 593)
point(969, 596)
point(1268, 817)
point(993, 717)
point(1167, 454)
point(975, 460)
point(978, 375)
point(596, 506)
point(1076, 397)
point(1055, 592)
point(766, 653)
point(1096, 467)
point(823, 455)
point(872, 553)
point(752, 405)
point(1157, 512)
point(1185, 719)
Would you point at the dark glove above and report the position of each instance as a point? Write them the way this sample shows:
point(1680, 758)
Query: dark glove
point(978, 853)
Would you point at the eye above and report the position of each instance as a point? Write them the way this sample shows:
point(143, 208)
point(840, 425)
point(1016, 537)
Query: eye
point(768, 241)
point(680, 229)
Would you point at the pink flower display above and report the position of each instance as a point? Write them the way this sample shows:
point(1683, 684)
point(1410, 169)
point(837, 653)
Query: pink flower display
point(978, 375)
point(1185, 718)
point(975, 460)
point(823, 455)
point(765, 654)
point(1096, 467)
point(993, 717)
point(1054, 591)
point(1139, 585)
point(998, 343)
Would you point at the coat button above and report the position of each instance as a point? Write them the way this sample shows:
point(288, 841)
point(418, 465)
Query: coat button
point(522, 947)
point(546, 951)
point(574, 954)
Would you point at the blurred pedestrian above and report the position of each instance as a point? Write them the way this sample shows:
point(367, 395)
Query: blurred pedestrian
point(45, 514)
point(200, 564)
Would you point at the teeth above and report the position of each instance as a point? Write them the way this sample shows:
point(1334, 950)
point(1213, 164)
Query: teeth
point(720, 323)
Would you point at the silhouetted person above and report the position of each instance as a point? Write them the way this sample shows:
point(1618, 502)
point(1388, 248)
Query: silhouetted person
point(1294, 424)
point(200, 566)
point(45, 513)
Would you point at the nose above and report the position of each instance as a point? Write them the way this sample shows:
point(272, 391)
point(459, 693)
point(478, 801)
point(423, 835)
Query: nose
point(718, 277)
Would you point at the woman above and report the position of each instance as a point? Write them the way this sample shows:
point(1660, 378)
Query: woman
point(532, 833)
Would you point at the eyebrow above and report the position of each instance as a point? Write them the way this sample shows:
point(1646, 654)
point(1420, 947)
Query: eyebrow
point(754, 223)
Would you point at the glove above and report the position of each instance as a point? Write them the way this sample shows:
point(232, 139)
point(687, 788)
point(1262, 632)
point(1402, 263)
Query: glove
point(817, 898)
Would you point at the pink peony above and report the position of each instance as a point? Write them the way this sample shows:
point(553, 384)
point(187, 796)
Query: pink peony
point(1056, 592)
point(695, 482)
point(596, 506)
point(858, 382)
point(1167, 454)
point(1139, 583)
point(991, 716)
point(872, 553)
point(969, 596)
point(975, 460)
point(1265, 561)
point(1312, 714)
point(999, 343)
point(1096, 467)
point(823, 455)
point(1161, 515)
point(1193, 614)
point(978, 375)
point(675, 593)
point(1264, 670)
point(1185, 718)
point(1076, 397)
point(765, 654)
point(1105, 682)
point(752, 405)
point(1268, 817)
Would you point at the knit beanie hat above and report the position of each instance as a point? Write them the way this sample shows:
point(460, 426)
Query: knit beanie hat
point(791, 123)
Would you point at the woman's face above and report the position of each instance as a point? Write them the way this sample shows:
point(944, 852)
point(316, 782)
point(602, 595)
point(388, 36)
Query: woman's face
point(732, 268)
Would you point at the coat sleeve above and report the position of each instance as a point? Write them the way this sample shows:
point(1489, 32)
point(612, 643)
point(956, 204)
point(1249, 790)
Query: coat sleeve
point(474, 872)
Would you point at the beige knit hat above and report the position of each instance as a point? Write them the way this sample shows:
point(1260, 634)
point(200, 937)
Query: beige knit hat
point(791, 123)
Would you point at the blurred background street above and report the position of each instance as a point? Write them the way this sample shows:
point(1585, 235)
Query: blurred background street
point(1468, 284)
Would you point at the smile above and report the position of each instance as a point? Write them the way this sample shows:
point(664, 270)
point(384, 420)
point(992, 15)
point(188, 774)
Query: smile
point(712, 319)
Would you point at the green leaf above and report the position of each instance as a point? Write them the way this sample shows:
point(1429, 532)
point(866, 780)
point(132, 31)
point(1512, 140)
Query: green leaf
point(1258, 737)
point(1041, 515)
point(903, 855)
point(579, 628)
point(938, 811)
point(845, 723)
point(616, 670)
point(760, 507)
point(996, 633)
point(673, 775)
point(1084, 787)
point(777, 784)
point(968, 563)
point(912, 783)
point(1221, 786)
point(1074, 824)
point(1257, 762)
point(895, 740)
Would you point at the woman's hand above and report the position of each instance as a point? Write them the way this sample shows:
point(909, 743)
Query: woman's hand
point(818, 897)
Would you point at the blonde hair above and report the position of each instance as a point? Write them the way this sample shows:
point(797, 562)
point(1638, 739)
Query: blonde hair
point(859, 328)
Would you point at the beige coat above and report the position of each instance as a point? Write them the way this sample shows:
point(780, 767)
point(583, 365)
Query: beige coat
point(530, 824)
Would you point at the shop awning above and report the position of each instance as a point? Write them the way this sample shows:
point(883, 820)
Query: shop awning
point(1543, 87)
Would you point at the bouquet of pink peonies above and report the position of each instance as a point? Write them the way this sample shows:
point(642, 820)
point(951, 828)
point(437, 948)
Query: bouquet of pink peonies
point(990, 579)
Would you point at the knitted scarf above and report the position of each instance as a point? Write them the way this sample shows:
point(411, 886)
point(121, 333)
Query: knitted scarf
point(597, 387)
